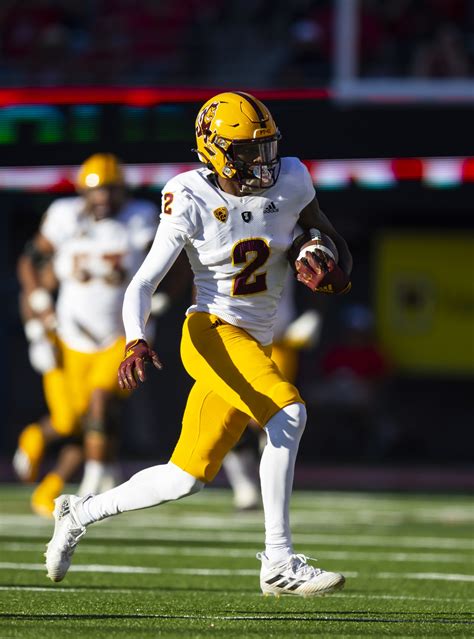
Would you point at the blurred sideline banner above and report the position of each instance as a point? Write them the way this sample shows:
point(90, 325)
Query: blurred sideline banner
point(424, 286)
point(375, 173)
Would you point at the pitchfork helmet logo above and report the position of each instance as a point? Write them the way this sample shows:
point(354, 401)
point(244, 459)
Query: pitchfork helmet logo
point(203, 124)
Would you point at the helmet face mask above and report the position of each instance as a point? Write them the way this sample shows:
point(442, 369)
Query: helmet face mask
point(238, 140)
point(104, 201)
point(256, 162)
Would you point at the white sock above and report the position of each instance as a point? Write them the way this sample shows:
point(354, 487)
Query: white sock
point(91, 479)
point(147, 488)
point(277, 465)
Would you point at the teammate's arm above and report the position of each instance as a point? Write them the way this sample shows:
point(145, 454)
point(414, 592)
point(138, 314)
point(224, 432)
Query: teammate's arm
point(34, 270)
point(36, 255)
point(312, 217)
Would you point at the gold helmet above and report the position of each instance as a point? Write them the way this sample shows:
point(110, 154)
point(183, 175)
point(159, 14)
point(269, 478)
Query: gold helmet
point(101, 169)
point(237, 138)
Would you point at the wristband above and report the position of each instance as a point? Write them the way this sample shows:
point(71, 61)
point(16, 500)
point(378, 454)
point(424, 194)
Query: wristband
point(34, 330)
point(40, 300)
point(129, 346)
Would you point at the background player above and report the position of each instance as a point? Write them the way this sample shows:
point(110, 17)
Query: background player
point(238, 256)
point(91, 245)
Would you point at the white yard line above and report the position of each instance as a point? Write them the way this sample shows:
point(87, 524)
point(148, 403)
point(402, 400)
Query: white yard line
point(135, 591)
point(302, 499)
point(302, 539)
point(209, 551)
point(222, 572)
point(387, 518)
point(415, 557)
point(140, 570)
point(432, 576)
point(119, 531)
point(336, 499)
point(367, 596)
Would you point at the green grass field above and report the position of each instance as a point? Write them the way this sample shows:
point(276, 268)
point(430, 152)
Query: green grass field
point(188, 569)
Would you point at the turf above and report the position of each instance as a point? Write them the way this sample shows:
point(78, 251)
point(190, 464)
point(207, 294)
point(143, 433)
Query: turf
point(188, 570)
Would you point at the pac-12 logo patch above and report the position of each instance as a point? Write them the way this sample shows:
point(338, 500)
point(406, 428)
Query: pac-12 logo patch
point(221, 213)
point(246, 216)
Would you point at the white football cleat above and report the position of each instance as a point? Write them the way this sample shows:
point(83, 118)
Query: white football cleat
point(296, 577)
point(67, 533)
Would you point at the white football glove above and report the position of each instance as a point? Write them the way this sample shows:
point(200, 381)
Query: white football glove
point(304, 331)
point(42, 355)
point(160, 303)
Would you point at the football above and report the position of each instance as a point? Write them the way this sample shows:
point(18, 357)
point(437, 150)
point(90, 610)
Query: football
point(312, 240)
point(322, 243)
point(324, 275)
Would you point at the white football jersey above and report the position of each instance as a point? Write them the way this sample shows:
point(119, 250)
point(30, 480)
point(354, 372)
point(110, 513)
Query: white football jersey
point(237, 245)
point(94, 262)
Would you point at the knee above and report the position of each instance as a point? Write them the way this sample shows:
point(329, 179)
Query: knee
point(103, 416)
point(300, 415)
point(281, 394)
point(168, 480)
point(195, 487)
point(64, 425)
point(287, 425)
point(191, 485)
point(185, 483)
point(296, 417)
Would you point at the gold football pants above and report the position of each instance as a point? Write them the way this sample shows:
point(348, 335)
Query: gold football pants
point(286, 358)
point(236, 379)
point(69, 387)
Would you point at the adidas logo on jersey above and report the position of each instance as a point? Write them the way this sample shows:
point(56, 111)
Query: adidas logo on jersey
point(271, 208)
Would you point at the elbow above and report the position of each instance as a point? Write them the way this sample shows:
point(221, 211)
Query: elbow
point(345, 256)
point(139, 287)
point(24, 270)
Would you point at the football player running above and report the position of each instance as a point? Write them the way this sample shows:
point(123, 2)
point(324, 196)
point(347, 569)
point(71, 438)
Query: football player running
point(236, 218)
point(94, 243)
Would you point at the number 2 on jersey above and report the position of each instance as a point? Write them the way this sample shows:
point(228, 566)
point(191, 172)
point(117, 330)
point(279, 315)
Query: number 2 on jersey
point(253, 252)
point(167, 201)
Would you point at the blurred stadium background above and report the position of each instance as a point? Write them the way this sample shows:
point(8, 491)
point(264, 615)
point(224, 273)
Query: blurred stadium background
point(376, 96)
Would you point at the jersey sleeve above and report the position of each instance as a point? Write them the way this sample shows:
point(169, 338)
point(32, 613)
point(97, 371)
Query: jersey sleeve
point(166, 247)
point(53, 225)
point(178, 211)
point(308, 192)
point(177, 225)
